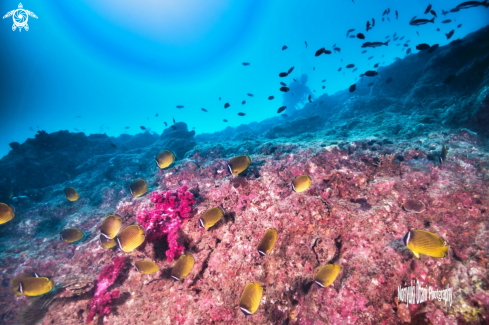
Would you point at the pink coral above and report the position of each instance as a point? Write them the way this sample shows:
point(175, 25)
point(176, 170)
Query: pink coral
point(102, 300)
point(166, 217)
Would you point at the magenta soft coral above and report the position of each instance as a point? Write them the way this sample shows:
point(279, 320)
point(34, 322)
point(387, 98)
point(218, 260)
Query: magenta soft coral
point(166, 217)
point(102, 300)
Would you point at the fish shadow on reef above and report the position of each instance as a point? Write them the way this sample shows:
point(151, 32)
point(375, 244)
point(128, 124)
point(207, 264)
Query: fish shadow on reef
point(49, 226)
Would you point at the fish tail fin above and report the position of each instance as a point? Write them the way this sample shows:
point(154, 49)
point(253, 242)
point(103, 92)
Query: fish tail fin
point(387, 43)
point(432, 20)
point(444, 249)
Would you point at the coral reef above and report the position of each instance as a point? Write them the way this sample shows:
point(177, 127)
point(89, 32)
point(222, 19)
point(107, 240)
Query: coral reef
point(170, 208)
point(101, 303)
point(375, 151)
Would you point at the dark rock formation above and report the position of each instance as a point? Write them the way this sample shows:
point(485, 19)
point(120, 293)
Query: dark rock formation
point(178, 139)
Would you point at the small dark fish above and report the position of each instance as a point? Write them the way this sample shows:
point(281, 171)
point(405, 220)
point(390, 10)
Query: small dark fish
point(282, 74)
point(306, 44)
point(433, 48)
point(373, 22)
point(313, 68)
point(349, 66)
point(203, 109)
point(283, 83)
point(394, 35)
point(270, 97)
point(471, 4)
point(371, 57)
point(243, 102)
point(445, 12)
point(339, 69)
point(422, 47)
point(449, 79)
point(349, 31)
point(76, 129)
point(219, 98)
point(406, 45)
point(437, 29)
point(142, 128)
point(290, 70)
point(281, 109)
point(387, 36)
point(327, 52)
point(241, 114)
point(320, 51)
point(370, 84)
point(174, 120)
point(397, 16)
point(245, 63)
point(417, 33)
point(30, 128)
point(284, 47)
point(324, 80)
point(225, 120)
point(389, 80)
point(454, 10)
point(408, 51)
point(156, 115)
point(251, 95)
point(433, 13)
point(375, 44)
point(450, 34)
point(376, 65)
point(419, 22)
point(284, 89)
point(324, 87)
point(371, 73)
point(226, 105)
point(368, 25)
point(337, 49)
point(385, 11)
point(460, 25)
point(166, 124)
point(382, 18)
point(309, 98)
point(179, 106)
point(352, 36)
point(360, 36)
point(446, 21)
point(354, 70)
point(388, 19)
point(364, 51)
point(353, 88)
point(427, 9)
point(395, 38)
point(127, 127)
point(388, 10)
point(456, 42)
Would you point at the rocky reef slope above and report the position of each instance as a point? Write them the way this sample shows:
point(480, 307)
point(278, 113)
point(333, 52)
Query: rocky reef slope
point(366, 152)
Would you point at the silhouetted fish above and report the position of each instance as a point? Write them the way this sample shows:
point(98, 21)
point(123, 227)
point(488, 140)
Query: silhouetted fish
point(371, 73)
point(444, 12)
point(320, 51)
point(284, 47)
point(422, 47)
point(127, 127)
point(245, 63)
point(370, 84)
point(174, 120)
point(433, 13)
point(337, 49)
point(419, 22)
point(376, 65)
point(360, 36)
point(364, 51)
point(282, 74)
point(166, 124)
point(309, 98)
point(397, 16)
point(374, 44)
point(371, 57)
point(352, 88)
point(471, 4)
point(180, 106)
point(243, 102)
point(203, 109)
point(226, 105)
point(349, 66)
point(460, 25)
point(427, 9)
point(456, 42)
point(349, 31)
point(224, 120)
point(284, 89)
point(450, 34)
point(142, 128)
point(281, 109)
point(339, 69)
point(290, 70)
point(352, 36)
point(306, 44)
point(433, 48)
point(249, 94)
point(446, 21)
point(241, 114)
point(270, 97)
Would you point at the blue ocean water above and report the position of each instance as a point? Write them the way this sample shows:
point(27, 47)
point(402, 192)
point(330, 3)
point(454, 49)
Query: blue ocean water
point(102, 67)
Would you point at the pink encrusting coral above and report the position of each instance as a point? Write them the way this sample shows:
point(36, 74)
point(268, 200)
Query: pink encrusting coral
point(170, 208)
point(101, 303)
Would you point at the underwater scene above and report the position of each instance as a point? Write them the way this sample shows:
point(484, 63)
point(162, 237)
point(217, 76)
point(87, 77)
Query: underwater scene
point(244, 162)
